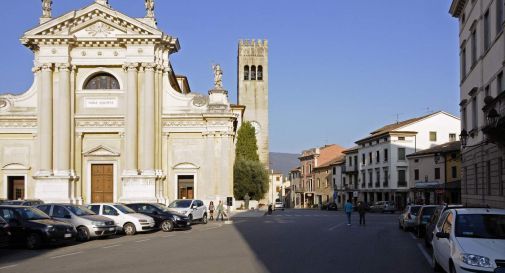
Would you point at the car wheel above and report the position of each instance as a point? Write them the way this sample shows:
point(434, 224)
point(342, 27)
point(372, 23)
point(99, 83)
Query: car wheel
point(33, 241)
point(436, 265)
point(167, 226)
point(82, 234)
point(129, 229)
point(204, 219)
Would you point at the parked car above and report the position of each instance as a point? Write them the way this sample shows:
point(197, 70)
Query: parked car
point(430, 226)
point(165, 219)
point(422, 219)
point(4, 233)
point(330, 206)
point(383, 206)
point(278, 205)
point(88, 224)
point(125, 218)
point(29, 203)
point(34, 228)
point(408, 217)
point(470, 240)
point(195, 210)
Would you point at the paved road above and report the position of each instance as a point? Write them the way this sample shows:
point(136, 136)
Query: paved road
point(288, 241)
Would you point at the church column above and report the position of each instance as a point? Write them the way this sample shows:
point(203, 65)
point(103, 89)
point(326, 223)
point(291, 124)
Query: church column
point(45, 121)
point(148, 147)
point(62, 122)
point(131, 119)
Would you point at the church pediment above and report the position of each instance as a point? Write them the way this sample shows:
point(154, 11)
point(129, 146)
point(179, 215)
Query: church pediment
point(94, 22)
point(100, 151)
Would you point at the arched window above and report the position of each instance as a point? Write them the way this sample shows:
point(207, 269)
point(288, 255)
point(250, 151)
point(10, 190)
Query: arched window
point(260, 73)
point(246, 73)
point(253, 73)
point(102, 81)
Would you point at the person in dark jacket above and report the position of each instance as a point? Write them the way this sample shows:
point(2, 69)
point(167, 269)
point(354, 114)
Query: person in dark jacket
point(361, 211)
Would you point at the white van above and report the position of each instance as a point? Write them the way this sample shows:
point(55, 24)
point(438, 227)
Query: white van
point(125, 218)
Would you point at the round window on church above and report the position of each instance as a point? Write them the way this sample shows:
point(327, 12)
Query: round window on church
point(102, 81)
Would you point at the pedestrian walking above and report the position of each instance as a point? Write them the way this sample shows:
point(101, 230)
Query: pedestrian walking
point(361, 211)
point(348, 211)
point(220, 211)
point(211, 210)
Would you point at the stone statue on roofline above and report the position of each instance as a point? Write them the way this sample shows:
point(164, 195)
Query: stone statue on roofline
point(47, 8)
point(149, 8)
point(218, 76)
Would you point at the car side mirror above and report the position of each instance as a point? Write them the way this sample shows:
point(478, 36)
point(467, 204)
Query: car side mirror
point(442, 235)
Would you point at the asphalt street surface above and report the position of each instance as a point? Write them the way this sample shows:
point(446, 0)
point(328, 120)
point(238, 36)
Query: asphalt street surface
point(287, 241)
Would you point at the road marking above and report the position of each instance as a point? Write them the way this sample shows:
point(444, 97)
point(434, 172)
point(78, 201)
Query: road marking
point(140, 241)
point(335, 226)
point(425, 254)
point(9, 266)
point(168, 236)
point(111, 246)
point(65, 255)
point(413, 236)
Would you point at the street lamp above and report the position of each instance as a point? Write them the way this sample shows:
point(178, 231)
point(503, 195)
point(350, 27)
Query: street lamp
point(464, 138)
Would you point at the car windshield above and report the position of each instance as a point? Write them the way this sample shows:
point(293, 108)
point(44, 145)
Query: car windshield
point(124, 209)
point(487, 226)
point(32, 214)
point(414, 210)
point(180, 204)
point(428, 211)
point(80, 210)
point(160, 207)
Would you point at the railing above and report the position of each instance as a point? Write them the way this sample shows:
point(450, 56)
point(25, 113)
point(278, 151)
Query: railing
point(495, 118)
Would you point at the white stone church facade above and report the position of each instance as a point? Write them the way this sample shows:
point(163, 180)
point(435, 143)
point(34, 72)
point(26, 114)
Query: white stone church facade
point(108, 120)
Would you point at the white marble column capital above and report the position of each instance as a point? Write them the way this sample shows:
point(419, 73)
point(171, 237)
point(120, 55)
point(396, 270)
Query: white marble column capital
point(47, 67)
point(149, 66)
point(63, 67)
point(131, 67)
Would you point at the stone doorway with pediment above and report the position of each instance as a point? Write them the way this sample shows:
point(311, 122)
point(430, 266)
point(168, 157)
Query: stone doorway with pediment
point(101, 175)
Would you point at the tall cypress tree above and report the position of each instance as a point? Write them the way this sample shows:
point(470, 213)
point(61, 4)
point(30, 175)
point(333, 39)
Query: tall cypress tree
point(247, 148)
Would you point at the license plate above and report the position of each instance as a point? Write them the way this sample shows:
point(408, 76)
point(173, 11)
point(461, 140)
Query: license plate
point(68, 235)
point(111, 229)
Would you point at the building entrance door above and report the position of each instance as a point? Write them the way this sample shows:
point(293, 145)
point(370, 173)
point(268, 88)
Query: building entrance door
point(102, 183)
point(15, 187)
point(186, 185)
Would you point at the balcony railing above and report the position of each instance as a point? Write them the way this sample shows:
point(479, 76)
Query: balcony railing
point(495, 118)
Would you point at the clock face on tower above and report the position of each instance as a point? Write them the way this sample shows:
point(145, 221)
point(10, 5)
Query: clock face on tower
point(257, 126)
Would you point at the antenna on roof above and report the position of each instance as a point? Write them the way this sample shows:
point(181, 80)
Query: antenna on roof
point(398, 117)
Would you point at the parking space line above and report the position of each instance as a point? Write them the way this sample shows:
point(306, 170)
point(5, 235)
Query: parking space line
point(65, 255)
point(140, 241)
point(335, 226)
point(425, 254)
point(111, 246)
point(8, 266)
point(210, 228)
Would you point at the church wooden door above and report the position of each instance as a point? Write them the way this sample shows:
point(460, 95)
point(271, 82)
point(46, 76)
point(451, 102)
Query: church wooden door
point(102, 183)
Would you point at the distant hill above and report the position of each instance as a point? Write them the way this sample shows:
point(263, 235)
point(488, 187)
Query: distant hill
point(284, 162)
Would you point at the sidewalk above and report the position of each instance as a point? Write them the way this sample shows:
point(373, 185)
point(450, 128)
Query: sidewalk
point(247, 213)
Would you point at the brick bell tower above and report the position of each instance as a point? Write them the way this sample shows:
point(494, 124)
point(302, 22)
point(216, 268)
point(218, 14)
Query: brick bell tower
point(253, 90)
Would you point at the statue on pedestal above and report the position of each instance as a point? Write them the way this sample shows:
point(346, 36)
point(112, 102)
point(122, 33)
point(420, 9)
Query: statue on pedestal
point(47, 8)
point(218, 76)
point(149, 8)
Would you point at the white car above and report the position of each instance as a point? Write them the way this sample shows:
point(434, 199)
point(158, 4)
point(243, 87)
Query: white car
point(279, 205)
point(470, 240)
point(125, 218)
point(195, 210)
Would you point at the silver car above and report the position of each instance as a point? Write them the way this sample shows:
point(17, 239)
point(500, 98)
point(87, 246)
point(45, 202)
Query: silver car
point(407, 219)
point(88, 224)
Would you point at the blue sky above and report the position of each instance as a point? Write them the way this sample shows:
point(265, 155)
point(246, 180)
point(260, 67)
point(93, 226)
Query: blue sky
point(338, 69)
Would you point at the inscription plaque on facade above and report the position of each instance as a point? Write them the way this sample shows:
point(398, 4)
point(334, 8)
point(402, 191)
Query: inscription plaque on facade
point(100, 102)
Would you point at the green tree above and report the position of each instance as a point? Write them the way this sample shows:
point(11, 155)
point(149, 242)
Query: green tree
point(247, 148)
point(249, 175)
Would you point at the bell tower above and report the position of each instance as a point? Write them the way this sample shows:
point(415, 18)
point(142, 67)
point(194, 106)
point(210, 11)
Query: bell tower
point(253, 90)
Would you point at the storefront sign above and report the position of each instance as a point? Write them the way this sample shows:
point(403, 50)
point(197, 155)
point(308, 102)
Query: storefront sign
point(100, 102)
